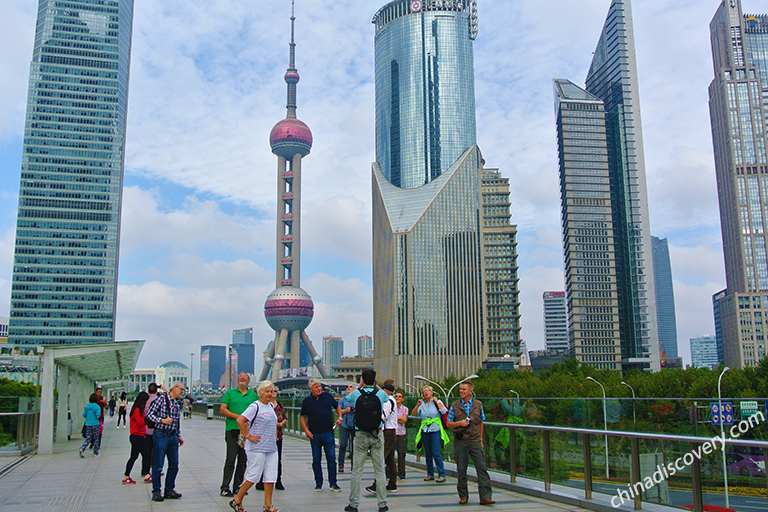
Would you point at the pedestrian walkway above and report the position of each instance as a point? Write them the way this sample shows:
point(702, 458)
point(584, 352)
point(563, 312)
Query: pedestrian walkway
point(64, 482)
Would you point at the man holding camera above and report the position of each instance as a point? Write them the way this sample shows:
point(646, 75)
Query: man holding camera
point(466, 417)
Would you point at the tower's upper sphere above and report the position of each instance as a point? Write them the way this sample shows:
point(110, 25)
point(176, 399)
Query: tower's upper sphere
point(289, 307)
point(290, 136)
point(291, 76)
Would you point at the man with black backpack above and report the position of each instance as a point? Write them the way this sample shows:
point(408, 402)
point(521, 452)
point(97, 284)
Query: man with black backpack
point(369, 404)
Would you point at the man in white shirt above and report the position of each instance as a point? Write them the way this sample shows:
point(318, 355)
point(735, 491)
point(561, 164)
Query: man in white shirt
point(389, 417)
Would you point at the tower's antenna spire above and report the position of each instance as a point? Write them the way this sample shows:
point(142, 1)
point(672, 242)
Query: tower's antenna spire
point(292, 75)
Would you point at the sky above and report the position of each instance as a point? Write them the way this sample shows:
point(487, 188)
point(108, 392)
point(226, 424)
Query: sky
point(197, 252)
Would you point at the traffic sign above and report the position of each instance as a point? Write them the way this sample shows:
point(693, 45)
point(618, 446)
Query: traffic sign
point(748, 408)
point(724, 416)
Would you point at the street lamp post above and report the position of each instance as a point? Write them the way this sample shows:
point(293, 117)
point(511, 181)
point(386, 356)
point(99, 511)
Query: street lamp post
point(516, 393)
point(473, 376)
point(446, 395)
point(413, 387)
point(722, 434)
point(634, 413)
point(229, 382)
point(191, 369)
point(420, 377)
point(605, 423)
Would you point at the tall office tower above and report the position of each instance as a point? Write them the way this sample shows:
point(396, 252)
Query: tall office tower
point(612, 79)
point(665, 297)
point(704, 352)
point(333, 351)
point(555, 321)
point(427, 216)
point(502, 303)
point(289, 309)
point(213, 362)
point(242, 336)
point(738, 106)
point(64, 287)
point(365, 346)
point(716, 298)
point(588, 228)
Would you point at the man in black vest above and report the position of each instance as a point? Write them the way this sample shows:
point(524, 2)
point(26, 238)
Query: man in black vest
point(466, 417)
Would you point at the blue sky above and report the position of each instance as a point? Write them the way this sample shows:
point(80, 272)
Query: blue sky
point(197, 247)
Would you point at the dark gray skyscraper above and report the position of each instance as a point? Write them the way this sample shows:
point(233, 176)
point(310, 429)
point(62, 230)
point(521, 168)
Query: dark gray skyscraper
point(665, 297)
point(64, 287)
point(739, 117)
point(620, 209)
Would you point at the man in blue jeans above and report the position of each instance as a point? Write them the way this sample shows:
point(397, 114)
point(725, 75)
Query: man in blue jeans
point(318, 424)
point(165, 413)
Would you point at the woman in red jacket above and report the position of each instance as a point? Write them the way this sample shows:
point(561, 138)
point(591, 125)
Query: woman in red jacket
point(138, 431)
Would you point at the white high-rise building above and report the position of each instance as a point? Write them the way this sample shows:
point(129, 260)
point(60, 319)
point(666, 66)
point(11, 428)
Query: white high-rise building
point(333, 351)
point(555, 321)
point(365, 346)
point(704, 352)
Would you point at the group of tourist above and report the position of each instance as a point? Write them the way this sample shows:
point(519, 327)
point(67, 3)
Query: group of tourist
point(372, 421)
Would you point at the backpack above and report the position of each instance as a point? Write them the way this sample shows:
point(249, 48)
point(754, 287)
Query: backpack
point(368, 412)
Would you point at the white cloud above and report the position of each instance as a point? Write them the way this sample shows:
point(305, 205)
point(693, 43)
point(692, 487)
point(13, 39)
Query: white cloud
point(340, 227)
point(6, 269)
point(147, 225)
point(16, 41)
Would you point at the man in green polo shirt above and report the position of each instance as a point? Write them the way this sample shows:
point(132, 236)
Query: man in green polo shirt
point(233, 404)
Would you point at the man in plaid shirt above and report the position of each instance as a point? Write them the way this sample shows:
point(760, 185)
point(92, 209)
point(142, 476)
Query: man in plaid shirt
point(165, 413)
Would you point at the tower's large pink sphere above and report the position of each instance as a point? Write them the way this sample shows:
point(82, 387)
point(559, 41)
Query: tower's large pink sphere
point(290, 136)
point(289, 307)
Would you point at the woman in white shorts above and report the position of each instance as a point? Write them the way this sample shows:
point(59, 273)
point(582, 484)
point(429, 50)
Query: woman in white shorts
point(258, 424)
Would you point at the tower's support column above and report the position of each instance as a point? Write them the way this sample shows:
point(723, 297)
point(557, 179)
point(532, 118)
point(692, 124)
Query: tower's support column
point(279, 355)
point(270, 356)
point(317, 360)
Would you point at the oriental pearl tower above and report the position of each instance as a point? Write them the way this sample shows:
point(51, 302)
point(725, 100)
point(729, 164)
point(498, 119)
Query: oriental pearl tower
point(289, 309)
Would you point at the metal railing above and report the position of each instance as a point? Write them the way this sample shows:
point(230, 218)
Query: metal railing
point(625, 456)
point(588, 435)
point(26, 428)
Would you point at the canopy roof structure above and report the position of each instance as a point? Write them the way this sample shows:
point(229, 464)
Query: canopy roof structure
point(100, 361)
point(73, 370)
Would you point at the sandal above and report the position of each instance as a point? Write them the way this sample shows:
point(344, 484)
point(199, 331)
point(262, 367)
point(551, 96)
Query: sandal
point(270, 509)
point(237, 507)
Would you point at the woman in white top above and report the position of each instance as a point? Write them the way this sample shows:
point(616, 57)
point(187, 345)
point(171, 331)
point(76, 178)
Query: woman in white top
point(122, 406)
point(431, 434)
point(258, 424)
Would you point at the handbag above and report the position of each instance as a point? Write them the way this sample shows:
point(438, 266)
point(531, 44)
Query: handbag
point(241, 437)
point(82, 431)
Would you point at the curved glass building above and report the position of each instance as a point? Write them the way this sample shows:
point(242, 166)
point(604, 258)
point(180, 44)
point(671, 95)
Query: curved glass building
point(425, 90)
point(427, 202)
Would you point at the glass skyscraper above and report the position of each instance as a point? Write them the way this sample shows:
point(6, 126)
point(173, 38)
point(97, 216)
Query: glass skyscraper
point(665, 297)
point(64, 284)
point(619, 206)
point(427, 206)
point(612, 77)
point(588, 232)
point(738, 104)
point(425, 89)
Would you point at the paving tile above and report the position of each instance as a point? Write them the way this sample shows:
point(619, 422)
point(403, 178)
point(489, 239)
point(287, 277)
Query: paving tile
point(65, 483)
